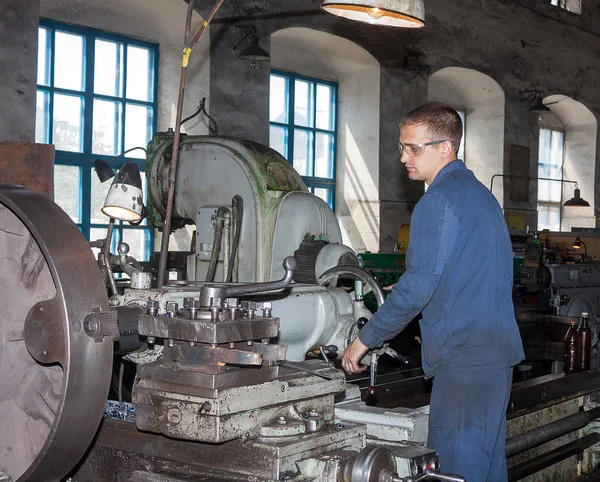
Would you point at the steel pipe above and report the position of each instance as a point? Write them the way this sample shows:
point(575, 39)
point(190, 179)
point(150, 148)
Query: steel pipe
point(536, 464)
point(533, 438)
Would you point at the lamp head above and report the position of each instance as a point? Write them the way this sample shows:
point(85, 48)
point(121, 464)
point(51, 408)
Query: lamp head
point(254, 53)
point(124, 200)
point(103, 170)
point(577, 243)
point(539, 106)
point(577, 200)
point(391, 13)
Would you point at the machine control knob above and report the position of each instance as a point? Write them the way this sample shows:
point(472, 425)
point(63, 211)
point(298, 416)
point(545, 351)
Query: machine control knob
point(362, 321)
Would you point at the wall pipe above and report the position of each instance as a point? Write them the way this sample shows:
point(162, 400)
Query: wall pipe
point(187, 50)
point(536, 464)
point(533, 438)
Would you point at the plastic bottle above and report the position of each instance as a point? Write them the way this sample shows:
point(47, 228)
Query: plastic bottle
point(585, 342)
point(571, 353)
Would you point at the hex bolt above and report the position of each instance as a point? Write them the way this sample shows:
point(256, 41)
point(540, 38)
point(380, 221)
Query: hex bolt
point(249, 343)
point(170, 343)
point(267, 307)
point(193, 305)
point(265, 341)
point(171, 308)
point(206, 407)
point(152, 307)
point(313, 413)
point(232, 345)
point(150, 340)
point(249, 308)
point(174, 416)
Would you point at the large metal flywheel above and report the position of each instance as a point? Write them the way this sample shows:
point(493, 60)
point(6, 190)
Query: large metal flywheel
point(56, 339)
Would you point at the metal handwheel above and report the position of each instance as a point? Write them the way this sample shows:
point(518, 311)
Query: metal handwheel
point(55, 360)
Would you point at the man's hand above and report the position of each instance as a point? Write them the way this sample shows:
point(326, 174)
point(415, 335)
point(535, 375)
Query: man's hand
point(353, 354)
point(388, 288)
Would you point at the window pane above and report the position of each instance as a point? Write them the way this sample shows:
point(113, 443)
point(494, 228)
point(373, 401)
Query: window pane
point(68, 61)
point(68, 114)
point(461, 149)
point(42, 117)
point(325, 194)
point(43, 66)
point(140, 75)
point(278, 99)
point(550, 164)
point(324, 160)
point(325, 107)
point(303, 103)
point(138, 241)
point(95, 234)
point(108, 68)
point(548, 217)
point(278, 139)
point(303, 152)
point(98, 196)
point(67, 190)
point(138, 128)
point(106, 135)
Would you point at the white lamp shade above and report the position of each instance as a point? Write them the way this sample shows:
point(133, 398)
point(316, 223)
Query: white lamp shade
point(124, 202)
point(390, 13)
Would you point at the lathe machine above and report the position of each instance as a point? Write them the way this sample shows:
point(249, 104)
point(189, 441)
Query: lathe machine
point(222, 390)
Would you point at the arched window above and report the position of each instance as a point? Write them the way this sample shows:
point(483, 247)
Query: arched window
point(482, 100)
point(567, 152)
point(329, 59)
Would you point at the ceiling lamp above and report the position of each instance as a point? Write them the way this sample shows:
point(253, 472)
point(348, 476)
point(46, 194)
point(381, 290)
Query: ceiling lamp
point(391, 13)
point(539, 106)
point(254, 53)
point(577, 200)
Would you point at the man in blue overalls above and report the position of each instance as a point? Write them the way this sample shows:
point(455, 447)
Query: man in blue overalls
point(459, 275)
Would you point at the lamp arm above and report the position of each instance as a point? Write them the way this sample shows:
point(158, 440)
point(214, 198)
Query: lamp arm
point(527, 178)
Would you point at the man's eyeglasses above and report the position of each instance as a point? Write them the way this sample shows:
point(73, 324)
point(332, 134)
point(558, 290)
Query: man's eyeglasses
point(414, 150)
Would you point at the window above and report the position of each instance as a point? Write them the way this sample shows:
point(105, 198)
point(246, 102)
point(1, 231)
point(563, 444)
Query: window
point(463, 117)
point(573, 6)
point(550, 165)
point(303, 128)
point(96, 98)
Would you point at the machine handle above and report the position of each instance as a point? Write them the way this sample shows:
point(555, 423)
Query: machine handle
point(221, 292)
point(429, 474)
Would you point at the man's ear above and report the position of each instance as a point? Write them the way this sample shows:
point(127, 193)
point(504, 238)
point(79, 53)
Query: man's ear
point(447, 149)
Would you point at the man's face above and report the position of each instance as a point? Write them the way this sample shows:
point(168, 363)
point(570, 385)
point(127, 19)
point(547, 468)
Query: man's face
point(425, 166)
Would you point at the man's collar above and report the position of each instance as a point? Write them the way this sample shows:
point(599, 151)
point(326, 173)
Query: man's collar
point(451, 166)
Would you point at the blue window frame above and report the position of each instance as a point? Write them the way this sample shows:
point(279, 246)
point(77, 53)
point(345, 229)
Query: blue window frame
point(96, 98)
point(303, 128)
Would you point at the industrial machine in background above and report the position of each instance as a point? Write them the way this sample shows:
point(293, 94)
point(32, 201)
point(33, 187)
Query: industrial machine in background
point(221, 390)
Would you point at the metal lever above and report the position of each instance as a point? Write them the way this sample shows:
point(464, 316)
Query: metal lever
point(221, 292)
point(330, 349)
point(429, 474)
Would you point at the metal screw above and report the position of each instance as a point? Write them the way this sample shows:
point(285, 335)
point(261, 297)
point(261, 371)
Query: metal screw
point(171, 308)
point(267, 308)
point(170, 343)
point(232, 345)
point(174, 416)
point(90, 324)
point(151, 340)
point(152, 307)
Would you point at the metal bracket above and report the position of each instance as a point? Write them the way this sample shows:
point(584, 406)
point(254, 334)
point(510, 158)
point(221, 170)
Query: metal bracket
point(99, 325)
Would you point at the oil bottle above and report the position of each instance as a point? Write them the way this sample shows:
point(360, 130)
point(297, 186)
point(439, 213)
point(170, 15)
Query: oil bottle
point(571, 354)
point(585, 342)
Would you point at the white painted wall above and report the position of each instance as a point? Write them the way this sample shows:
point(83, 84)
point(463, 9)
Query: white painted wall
point(322, 55)
point(483, 99)
point(157, 21)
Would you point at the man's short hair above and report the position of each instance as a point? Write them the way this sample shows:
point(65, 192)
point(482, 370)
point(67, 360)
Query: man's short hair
point(440, 120)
